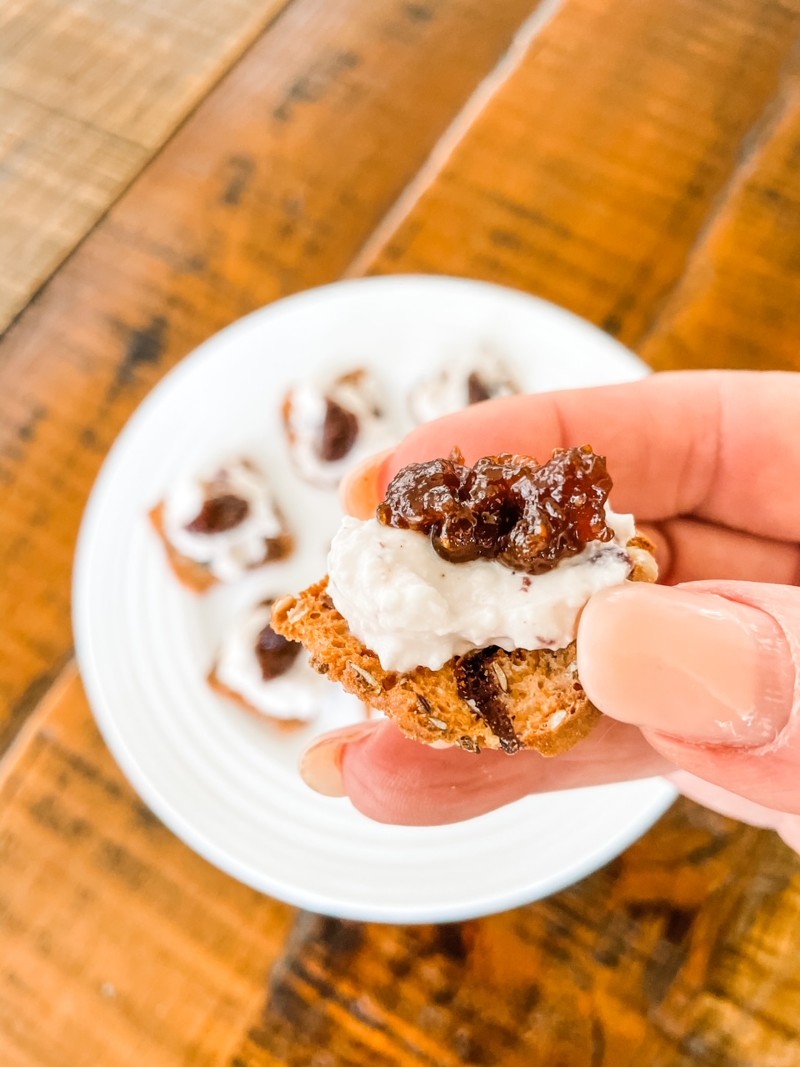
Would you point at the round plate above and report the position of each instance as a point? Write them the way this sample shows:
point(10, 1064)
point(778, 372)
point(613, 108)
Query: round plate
point(226, 781)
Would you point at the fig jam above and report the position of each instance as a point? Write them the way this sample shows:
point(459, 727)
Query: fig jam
point(274, 653)
point(506, 507)
point(339, 432)
point(477, 389)
point(477, 685)
point(219, 513)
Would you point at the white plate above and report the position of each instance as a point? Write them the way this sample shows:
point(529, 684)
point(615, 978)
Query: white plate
point(225, 781)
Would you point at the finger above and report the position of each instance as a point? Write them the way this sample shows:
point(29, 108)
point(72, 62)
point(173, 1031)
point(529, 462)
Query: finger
point(689, 550)
point(708, 671)
point(358, 490)
point(394, 780)
point(721, 445)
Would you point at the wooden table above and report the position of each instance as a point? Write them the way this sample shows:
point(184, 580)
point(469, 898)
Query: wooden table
point(168, 166)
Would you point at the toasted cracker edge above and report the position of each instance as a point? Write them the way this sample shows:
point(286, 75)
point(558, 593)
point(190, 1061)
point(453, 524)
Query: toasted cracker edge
point(549, 709)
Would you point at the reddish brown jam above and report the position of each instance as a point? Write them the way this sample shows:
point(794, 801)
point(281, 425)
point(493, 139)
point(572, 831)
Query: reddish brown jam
point(478, 684)
point(477, 389)
point(527, 516)
point(339, 432)
point(487, 388)
point(274, 653)
point(219, 513)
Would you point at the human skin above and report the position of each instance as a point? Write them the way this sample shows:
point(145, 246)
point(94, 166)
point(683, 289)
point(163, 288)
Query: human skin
point(698, 677)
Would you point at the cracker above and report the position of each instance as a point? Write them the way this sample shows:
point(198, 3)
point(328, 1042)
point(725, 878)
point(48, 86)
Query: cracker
point(188, 572)
point(537, 698)
point(196, 576)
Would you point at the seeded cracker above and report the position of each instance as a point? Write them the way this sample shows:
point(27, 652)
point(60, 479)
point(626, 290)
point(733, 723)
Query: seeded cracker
point(535, 698)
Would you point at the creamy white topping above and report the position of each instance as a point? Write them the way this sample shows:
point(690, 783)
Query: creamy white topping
point(298, 693)
point(415, 609)
point(230, 553)
point(357, 393)
point(448, 391)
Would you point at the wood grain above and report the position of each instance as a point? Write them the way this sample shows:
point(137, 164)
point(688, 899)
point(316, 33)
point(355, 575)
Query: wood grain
point(638, 165)
point(120, 946)
point(738, 301)
point(597, 193)
point(88, 92)
point(272, 186)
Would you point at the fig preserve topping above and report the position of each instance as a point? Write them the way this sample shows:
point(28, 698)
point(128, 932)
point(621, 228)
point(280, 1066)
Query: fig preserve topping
point(507, 507)
point(339, 432)
point(274, 653)
point(219, 513)
point(481, 684)
point(477, 389)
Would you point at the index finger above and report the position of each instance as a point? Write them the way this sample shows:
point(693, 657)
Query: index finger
point(720, 445)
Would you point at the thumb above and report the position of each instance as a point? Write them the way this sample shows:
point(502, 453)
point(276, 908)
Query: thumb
point(708, 671)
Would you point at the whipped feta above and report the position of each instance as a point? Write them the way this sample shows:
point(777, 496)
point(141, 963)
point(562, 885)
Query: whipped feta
point(297, 694)
point(414, 609)
point(305, 410)
point(229, 553)
point(449, 390)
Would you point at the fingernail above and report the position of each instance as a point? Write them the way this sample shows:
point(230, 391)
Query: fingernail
point(693, 665)
point(358, 491)
point(321, 763)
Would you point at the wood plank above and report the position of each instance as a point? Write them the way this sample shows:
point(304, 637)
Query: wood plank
point(679, 952)
point(272, 186)
point(596, 193)
point(118, 945)
point(738, 303)
point(88, 92)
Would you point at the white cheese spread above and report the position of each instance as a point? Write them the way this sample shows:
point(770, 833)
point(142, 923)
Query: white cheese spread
point(306, 408)
point(413, 608)
point(229, 553)
point(298, 693)
point(448, 391)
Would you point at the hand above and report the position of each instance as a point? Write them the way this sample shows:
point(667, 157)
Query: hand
point(698, 680)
